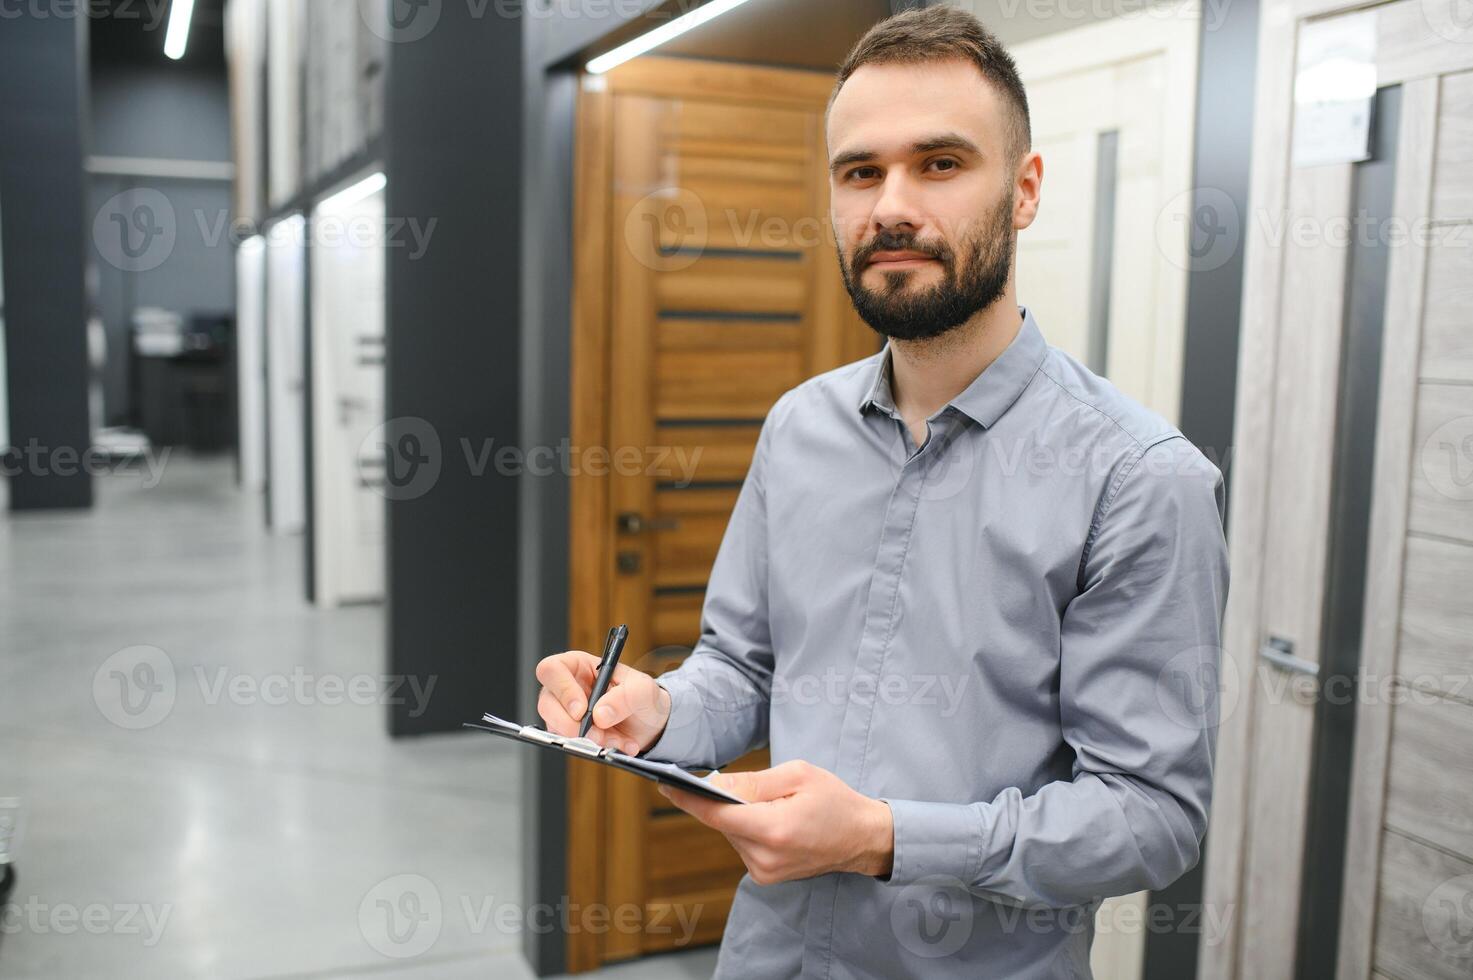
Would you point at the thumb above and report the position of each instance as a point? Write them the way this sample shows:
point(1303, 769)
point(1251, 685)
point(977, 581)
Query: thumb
point(762, 785)
point(613, 708)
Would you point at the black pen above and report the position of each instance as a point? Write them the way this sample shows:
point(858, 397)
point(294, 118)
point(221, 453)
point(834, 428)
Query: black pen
point(613, 646)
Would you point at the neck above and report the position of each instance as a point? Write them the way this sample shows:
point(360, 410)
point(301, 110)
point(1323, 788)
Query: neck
point(926, 374)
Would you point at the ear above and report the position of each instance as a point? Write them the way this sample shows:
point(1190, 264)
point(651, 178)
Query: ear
point(1027, 189)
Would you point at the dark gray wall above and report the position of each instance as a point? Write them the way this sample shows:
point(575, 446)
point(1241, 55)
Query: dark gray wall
point(452, 150)
point(43, 98)
point(166, 112)
point(160, 111)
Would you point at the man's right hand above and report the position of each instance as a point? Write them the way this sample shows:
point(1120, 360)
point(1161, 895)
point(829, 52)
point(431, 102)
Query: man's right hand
point(630, 716)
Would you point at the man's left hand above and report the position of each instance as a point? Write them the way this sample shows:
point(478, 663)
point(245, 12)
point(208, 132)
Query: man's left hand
point(799, 821)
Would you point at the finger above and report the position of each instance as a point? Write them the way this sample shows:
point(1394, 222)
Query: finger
point(764, 784)
point(611, 738)
point(623, 741)
point(569, 677)
point(733, 820)
point(707, 811)
point(554, 715)
point(613, 707)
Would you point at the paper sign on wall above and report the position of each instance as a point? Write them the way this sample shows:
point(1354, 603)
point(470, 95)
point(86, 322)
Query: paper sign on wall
point(1334, 89)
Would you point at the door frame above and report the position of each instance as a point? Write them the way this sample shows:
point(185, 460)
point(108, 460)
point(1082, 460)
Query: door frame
point(1390, 516)
point(291, 488)
point(591, 537)
point(250, 363)
point(325, 527)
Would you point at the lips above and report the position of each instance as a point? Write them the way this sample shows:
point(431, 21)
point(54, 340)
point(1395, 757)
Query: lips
point(887, 258)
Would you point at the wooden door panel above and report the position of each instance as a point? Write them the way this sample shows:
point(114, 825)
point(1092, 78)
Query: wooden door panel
point(712, 334)
point(686, 858)
point(1447, 331)
point(1429, 792)
point(736, 210)
point(734, 125)
point(716, 453)
point(1452, 178)
point(691, 870)
point(726, 384)
point(1441, 509)
point(677, 618)
point(749, 284)
point(747, 174)
point(684, 553)
point(1435, 645)
point(1415, 881)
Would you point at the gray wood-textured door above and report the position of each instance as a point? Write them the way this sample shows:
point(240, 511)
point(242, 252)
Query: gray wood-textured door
point(1411, 827)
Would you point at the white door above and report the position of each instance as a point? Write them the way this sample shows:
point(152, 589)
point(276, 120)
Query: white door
point(250, 360)
point(1104, 266)
point(348, 396)
point(286, 419)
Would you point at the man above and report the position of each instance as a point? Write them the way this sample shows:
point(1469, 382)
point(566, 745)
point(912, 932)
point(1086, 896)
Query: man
point(969, 594)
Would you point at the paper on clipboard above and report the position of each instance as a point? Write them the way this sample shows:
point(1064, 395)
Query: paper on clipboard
point(661, 772)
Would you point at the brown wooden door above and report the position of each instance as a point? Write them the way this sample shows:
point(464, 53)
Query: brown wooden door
point(706, 286)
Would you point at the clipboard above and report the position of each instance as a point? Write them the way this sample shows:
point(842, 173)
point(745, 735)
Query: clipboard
point(582, 748)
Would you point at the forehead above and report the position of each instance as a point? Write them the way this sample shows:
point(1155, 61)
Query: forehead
point(887, 106)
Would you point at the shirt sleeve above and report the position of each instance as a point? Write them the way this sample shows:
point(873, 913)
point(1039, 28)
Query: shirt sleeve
point(720, 697)
point(1138, 689)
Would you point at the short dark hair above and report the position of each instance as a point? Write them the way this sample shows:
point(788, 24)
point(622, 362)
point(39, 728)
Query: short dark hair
point(939, 34)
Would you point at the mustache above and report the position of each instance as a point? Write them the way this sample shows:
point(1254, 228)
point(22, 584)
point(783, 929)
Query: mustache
point(888, 241)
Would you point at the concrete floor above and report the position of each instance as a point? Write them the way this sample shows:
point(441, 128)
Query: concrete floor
point(186, 809)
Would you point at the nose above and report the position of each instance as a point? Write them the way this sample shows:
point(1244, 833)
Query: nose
point(897, 209)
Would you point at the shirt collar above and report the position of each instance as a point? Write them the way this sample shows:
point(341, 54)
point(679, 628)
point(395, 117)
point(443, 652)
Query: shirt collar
point(991, 393)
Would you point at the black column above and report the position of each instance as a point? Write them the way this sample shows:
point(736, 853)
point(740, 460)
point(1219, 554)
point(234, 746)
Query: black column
point(43, 85)
point(1219, 220)
point(452, 155)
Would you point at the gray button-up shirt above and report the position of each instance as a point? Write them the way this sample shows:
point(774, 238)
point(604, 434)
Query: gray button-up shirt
point(1010, 634)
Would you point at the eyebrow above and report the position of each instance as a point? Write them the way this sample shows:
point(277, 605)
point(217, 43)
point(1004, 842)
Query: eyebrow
point(946, 141)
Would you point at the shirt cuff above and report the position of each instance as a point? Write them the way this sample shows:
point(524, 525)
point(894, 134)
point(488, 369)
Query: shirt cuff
point(934, 839)
point(684, 736)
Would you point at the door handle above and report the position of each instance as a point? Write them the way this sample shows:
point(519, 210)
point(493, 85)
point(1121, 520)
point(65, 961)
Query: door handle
point(1280, 652)
point(630, 522)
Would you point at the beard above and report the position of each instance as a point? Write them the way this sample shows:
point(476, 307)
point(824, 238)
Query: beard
point(895, 312)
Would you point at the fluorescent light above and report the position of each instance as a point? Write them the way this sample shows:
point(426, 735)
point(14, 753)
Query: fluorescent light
point(350, 196)
point(177, 36)
point(661, 34)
